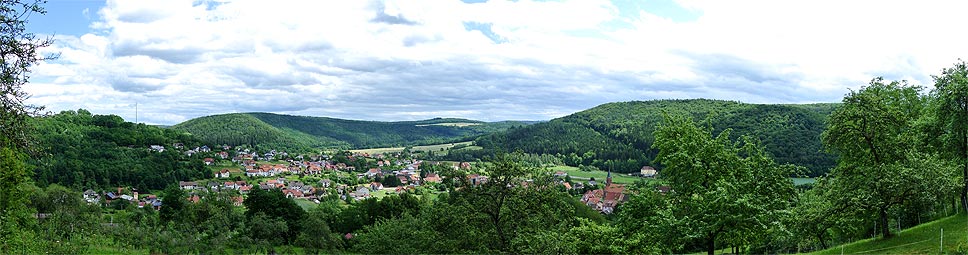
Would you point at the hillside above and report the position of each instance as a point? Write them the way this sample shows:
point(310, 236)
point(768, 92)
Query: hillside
point(921, 239)
point(83, 150)
point(619, 135)
point(278, 131)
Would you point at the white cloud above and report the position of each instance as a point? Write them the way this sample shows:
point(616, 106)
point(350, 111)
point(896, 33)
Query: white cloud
point(401, 60)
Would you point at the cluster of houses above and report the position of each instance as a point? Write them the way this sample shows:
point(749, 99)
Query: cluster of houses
point(246, 154)
point(93, 197)
point(293, 189)
point(607, 198)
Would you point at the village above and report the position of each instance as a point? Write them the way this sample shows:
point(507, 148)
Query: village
point(343, 175)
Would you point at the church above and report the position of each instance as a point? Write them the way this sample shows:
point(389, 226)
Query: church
point(607, 198)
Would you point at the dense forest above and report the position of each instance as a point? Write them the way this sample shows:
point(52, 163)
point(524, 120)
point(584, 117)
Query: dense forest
point(82, 150)
point(618, 136)
point(275, 131)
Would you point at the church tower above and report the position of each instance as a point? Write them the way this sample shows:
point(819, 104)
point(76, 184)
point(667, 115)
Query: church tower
point(608, 178)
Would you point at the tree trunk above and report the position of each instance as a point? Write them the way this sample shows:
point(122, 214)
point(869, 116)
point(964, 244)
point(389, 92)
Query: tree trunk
point(823, 243)
point(964, 189)
point(964, 169)
point(711, 245)
point(886, 230)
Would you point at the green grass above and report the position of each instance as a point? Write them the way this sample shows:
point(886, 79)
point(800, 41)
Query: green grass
point(579, 175)
point(305, 204)
point(921, 239)
point(380, 193)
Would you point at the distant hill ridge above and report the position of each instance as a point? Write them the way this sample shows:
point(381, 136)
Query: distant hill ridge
point(290, 132)
point(618, 135)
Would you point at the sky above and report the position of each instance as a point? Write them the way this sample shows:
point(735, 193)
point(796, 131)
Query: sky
point(487, 60)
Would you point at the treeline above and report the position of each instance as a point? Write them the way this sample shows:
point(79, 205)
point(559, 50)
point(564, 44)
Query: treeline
point(619, 135)
point(295, 133)
point(82, 150)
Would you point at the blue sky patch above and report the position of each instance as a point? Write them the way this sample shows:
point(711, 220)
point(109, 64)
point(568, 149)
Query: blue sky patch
point(663, 8)
point(66, 17)
point(484, 28)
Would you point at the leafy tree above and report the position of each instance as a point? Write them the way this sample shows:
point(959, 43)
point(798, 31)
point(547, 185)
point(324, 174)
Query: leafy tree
point(316, 236)
point(387, 236)
point(951, 89)
point(269, 231)
point(13, 197)
point(878, 170)
point(274, 205)
point(391, 181)
point(174, 208)
point(19, 51)
point(720, 189)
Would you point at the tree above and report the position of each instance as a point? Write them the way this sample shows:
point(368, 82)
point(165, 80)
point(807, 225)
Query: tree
point(316, 235)
point(270, 231)
point(19, 51)
point(174, 207)
point(951, 90)
point(13, 198)
point(385, 236)
point(878, 168)
point(720, 188)
point(274, 205)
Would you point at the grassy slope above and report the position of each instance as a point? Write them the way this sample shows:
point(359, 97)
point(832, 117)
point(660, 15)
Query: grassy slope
point(922, 239)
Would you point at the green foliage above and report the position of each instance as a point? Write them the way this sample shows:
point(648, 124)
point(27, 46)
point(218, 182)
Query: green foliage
point(921, 239)
point(404, 235)
point(619, 135)
point(92, 151)
point(951, 92)
point(273, 206)
point(13, 175)
point(274, 131)
point(268, 231)
point(14, 215)
point(721, 191)
point(878, 170)
point(21, 51)
point(316, 235)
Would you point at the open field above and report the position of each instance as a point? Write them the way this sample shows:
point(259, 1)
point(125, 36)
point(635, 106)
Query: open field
point(921, 239)
point(305, 204)
point(599, 175)
point(435, 148)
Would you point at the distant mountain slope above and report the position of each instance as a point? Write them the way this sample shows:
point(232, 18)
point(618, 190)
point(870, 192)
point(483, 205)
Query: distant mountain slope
point(301, 132)
point(619, 135)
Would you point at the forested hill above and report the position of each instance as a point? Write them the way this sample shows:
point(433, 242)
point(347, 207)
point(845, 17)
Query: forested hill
point(275, 131)
point(82, 150)
point(619, 135)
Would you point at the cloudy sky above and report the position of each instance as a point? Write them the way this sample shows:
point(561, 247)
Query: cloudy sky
point(484, 59)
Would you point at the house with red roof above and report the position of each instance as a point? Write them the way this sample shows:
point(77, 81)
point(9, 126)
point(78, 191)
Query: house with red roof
point(606, 199)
